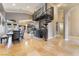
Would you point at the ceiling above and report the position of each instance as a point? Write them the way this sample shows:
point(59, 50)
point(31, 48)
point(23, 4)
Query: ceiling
point(67, 6)
point(28, 8)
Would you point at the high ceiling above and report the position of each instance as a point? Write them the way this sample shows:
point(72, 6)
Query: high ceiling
point(28, 8)
point(20, 11)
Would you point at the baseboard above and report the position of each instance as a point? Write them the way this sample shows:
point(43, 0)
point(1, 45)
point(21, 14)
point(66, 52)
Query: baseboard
point(66, 39)
point(53, 37)
point(50, 38)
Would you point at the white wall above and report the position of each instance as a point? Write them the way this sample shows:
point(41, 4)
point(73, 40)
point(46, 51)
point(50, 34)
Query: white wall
point(2, 12)
point(52, 25)
point(50, 30)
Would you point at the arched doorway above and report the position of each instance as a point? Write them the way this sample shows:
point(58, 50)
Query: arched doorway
point(71, 23)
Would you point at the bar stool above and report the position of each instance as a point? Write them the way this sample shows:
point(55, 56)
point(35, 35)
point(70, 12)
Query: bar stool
point(5, 39)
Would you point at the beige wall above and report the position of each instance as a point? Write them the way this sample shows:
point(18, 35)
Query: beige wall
point(73, 19)
point(58, 17)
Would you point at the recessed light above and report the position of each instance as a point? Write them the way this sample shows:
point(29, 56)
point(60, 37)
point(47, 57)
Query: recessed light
point(59, 5)
point(13, 4)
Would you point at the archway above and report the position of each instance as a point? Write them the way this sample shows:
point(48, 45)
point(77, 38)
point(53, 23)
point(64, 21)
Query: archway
point(71, 23)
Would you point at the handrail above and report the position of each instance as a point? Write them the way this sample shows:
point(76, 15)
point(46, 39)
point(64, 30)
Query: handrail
point(41, 13)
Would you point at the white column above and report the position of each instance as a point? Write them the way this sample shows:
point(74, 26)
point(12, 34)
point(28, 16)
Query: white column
point(66, 27)
point(50, 30)
point(9, 42)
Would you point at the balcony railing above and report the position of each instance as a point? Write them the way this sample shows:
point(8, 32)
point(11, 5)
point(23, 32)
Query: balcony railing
point(44, 13)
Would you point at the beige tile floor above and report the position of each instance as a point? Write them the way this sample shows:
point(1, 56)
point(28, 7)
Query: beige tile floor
point(31, 46)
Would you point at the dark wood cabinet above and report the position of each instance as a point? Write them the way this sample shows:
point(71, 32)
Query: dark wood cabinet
point(16, 36)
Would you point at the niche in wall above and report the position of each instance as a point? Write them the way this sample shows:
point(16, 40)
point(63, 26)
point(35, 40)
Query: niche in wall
point(59, 28)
